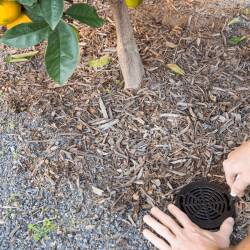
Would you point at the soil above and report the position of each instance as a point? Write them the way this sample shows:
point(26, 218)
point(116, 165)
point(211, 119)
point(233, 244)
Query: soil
point(94, 158)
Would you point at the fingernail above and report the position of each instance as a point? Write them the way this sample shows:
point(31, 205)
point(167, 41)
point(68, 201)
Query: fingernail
point(231, 220)
point(170, 206)
point(146, 218)
point(237, 177)
point(233, 194)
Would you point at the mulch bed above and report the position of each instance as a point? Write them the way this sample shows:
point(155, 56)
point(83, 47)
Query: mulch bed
point(136, 149)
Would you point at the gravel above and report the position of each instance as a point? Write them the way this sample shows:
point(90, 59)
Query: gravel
point(80, 222)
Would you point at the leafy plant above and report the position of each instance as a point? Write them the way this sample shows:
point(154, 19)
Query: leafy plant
point(51, 23)
point(40, 231)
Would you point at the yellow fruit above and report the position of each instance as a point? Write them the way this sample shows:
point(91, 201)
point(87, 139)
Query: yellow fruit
point(21, 19)
point(133, 3)
point(9, 11)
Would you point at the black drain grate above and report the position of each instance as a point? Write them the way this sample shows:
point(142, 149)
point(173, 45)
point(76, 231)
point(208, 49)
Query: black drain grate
point(206, 204)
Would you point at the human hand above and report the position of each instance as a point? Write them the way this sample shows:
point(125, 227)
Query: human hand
point(237, 169)
point(185, 235)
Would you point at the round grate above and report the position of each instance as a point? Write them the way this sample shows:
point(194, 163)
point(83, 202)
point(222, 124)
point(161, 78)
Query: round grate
point(206, 204)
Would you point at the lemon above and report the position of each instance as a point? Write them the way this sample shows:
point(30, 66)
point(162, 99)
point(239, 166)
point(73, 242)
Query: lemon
point(21, 19)
point(133, 3)
point(9, 11)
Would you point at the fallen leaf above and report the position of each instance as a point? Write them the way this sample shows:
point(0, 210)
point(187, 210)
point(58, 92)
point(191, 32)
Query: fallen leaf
point(234, 21)
point(246, 11)
point(24, 57)
point(100, 62)
point(176, 69)
point(97, 191)
point(9, 60)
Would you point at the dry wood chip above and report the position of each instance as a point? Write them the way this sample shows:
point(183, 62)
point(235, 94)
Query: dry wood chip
point(139, 182)
point(103, 109)
point(131, 220)
point(90, 227)
point(157, 182)
point(138, 119)
point(99, 122)
point(108, 124)
point(97, 191)
point(170, 186)
point(136, 196)
point(176, 172)
point(226, 126)
point(178, 161)
point(170, 115)
point(170, 45)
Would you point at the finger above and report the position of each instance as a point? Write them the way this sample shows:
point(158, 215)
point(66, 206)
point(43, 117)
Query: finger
point(229, 173)
point(155, 240)
point(226, 228)
point(159, 228)
point(239, 186)
point(165, 220)
point(180, 216)
point(230, 178)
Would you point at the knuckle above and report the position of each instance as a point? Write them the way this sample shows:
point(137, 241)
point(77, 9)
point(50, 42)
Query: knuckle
point(164, 230)
point(226, 163)
point(192, 226)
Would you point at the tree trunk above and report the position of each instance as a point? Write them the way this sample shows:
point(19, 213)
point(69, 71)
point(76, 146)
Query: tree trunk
point(127, 50)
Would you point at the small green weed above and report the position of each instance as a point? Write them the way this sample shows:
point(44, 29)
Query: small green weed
point(42, 230)
point(11, 126)
point(3, 153)
point(13, 197)
point(235, 40)
point(1, 95)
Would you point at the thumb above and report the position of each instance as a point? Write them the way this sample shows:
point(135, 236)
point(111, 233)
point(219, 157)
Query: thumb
point(238, 187)
point(226, 228)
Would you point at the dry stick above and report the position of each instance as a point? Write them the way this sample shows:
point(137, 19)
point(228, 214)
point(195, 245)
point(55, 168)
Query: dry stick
point(127, 50)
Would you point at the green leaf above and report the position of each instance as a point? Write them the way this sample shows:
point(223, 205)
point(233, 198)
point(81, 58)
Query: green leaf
point(34, 12)
point(62, 53)
point(26, 35)
point(235, 40)
point(27, 2)
point(100, 62)
point(234, 21)
point(76, 31)
point(52, 11)
point(85, 14)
